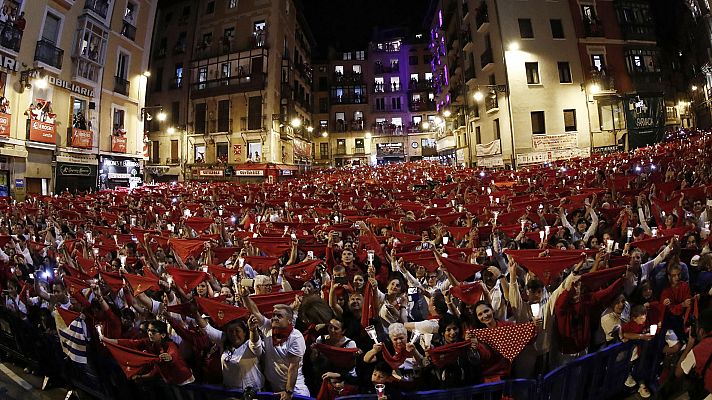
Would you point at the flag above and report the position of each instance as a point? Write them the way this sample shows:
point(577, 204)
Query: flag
point(73, 336)
point(185, 279)
point(442, 356)
point(507, 340)
point(220, 312)
point(131, 361)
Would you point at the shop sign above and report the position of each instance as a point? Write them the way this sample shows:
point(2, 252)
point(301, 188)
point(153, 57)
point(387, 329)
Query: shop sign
point(75, 170)
point(211, 172)
point(607, 149)
point(118, 144)
point(82, 139)
point(4, 125)
point(42, 132)
point(553, 142)
point(9, 64)
point(249, 172)
point(19, 183)
point(71, 86)
point(286, 172)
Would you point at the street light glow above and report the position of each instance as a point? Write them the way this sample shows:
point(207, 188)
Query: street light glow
point(310, 129)
point(324, 134)
point(694, 87)
point(161, 116)
point(296, 122)
point(147, 73)
point(171, 130)
point(446, 113)
point(426, 125)
point(41, 83)
point(367, 135)
point(594, 88)
point(478, 96)
point(514, 46)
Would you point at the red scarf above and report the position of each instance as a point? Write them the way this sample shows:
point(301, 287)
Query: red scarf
point(395, 361)
point(280, 335)
point(447, 354)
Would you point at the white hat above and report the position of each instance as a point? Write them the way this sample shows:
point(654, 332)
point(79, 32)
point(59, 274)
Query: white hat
point(262, 280)
point(695, 260)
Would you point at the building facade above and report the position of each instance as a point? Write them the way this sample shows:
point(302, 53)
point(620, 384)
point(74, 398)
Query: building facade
point(72, 92)
point(376, 105)
point(244, 96)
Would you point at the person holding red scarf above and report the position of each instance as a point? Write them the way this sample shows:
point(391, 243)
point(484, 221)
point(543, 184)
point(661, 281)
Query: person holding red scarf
point(455, 362)
point(400, 354)
point(284, 349)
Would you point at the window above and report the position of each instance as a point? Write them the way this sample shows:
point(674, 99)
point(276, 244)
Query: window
point(346, 56)
point(497, 135)
point(569, 120)
point(395, 83)
point(200, 114)
point(199, 153)
point(158, 80)
point(210, 8)
point(557, 29)
point(359, 146)
point(378, 84)
point(525, 28)
point(323, 124)
point(122, 66)
point(414, 77)
point(427, 58)
point(396, 103)
point(232, 4)
point(564, 72)
point(588, 13)
point(532, 69)
point(323, 105)
point(598, 62)
point(380, 104)
point(202, 76)
point(339, 69)
point(175, 112)
point(174, 151)
point(324, 150)
point(118, 119)
point(538, 126)
point(181, 43)
point(223, 115)
point(413, 60)
point(254, 113)
point(221, 151)
point(478, 135)
point(340, 146)
point(179, 76)
point(155, 152)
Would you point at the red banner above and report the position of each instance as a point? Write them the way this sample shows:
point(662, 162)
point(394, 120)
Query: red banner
point(82, 139)
point(4, 125)
point(42, 132)
point(118, 144)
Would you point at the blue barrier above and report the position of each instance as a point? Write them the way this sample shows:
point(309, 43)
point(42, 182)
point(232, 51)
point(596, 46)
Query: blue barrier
point(596, 376)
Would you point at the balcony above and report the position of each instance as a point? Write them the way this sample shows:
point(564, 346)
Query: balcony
point(46, 52)
point(99, 7)
point(11, 37)
point(180, 48)
point(389, 108)
point(356, 99)
point(422, 105)
point(469, 74)
point(356, 125)
point(387, 88)
point(305, 71)
point(419, 128)
point(486, 58)
point(647, 81)
point(340, 151)
point(121, 85)
point(348, 78)
point(420, 86)
point(224, 86)
point(252, 123)
point(128, 30)
point(638, 31)
point(379, 68)
point(593, 28)
point(161, 52)
point(387, 129)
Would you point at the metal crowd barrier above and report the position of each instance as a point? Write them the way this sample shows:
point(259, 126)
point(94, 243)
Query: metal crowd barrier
point(597, 376)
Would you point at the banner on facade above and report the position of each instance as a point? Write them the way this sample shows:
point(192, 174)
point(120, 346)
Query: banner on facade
point(554, 142)
point(489, 149)
point(237, 149)
point(645, 116)
point(4, 125)
point(42, 132)
point(211, 172)
point(549, 156)
point(118, 144)
point(82, 139)
point(490, 162)
point(249, 172)
point(389, 150)
point(302, 149)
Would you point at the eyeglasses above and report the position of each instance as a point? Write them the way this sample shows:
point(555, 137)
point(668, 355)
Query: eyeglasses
point(152, 330)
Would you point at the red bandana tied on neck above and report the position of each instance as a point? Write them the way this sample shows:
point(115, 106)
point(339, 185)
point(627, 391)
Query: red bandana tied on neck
point(395, 361)
point(280, 335)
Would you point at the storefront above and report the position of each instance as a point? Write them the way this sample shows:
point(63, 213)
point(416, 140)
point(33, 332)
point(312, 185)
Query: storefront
point(38, 170)
point(119, 172)
point(75, 173)
point(645, 116)
point(387, 153)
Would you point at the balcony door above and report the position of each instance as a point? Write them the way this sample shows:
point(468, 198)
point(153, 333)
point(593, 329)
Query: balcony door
point(50, 31)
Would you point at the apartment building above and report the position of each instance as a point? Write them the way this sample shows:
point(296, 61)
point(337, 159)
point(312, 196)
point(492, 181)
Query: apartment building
point(72, 88)
point(244, 101)
point(374, 105)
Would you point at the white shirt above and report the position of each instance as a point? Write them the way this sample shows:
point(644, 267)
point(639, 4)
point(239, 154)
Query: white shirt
point(21, 308)
point(240, 366)
point(276, 359)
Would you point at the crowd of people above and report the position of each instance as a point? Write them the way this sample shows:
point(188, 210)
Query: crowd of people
point(382, 279)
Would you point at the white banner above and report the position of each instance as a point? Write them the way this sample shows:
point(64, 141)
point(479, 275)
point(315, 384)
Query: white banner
point(554, 142)
point(490, 162)
point(542, 157)
point(211, 172)
point(249, 172)
point(489, 149)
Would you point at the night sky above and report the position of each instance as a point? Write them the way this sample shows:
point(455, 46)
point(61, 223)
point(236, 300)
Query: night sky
point(348, 24)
